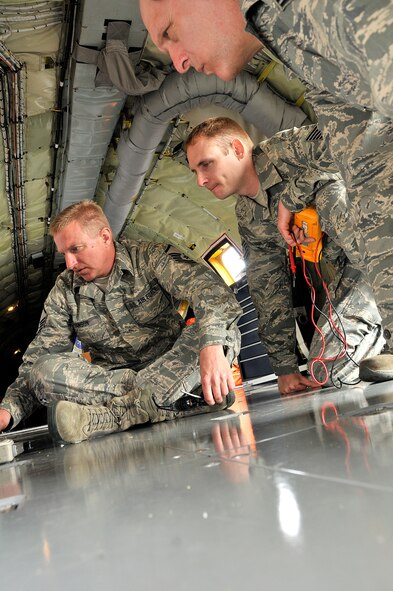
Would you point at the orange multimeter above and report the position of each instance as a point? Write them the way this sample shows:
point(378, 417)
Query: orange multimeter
point(308, 221)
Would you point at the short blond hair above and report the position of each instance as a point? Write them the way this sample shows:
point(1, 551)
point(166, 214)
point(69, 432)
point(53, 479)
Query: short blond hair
point(222, 128)
point(87, 213)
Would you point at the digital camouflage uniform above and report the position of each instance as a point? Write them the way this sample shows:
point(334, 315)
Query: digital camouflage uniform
point(342, 52)
point(297, 162)
point(133, 332)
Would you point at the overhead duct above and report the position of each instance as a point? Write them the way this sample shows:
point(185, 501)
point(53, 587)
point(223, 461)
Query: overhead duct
point(180, 93)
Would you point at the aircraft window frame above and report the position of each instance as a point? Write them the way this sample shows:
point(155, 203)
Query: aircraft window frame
point(213, 258)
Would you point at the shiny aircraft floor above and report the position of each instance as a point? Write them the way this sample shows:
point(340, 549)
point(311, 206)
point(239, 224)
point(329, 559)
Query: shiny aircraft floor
point(278, 493)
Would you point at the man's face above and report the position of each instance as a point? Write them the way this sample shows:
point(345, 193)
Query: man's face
point(207, 35)
point(89, 257)
point(217, 171)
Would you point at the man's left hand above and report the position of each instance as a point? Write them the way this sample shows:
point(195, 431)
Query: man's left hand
point(294, 382)
point(216, 374)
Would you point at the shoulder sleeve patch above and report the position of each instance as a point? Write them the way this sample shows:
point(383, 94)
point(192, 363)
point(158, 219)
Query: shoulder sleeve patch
point(175, 254)
point(314, 135)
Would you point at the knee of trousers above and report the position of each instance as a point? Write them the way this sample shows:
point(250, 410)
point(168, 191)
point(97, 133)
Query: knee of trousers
point(42, 373)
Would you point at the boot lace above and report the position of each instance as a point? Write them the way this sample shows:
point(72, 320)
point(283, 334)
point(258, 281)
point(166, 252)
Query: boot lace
point(100, 421)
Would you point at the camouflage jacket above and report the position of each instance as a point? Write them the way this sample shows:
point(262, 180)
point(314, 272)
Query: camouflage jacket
point(339, 50)
point(295, 165)
point(135, 320)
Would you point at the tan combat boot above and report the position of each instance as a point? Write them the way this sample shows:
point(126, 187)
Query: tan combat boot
point(70, 422)
point(377, 369)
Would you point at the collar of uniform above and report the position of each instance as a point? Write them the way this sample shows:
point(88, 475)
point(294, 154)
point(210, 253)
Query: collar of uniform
point(122, 265)
point(276, 5)
point(123, 260)
point(265, 169)
point(255, 10)
point(264, 56)
point(86, 288)
point(245, 5)
point(77, 281)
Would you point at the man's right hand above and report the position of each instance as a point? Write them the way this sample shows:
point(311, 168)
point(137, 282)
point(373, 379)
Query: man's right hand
point(294, 382)
point(5, 418)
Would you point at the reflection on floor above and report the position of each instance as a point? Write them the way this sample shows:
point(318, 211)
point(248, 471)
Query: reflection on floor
point(279, 493)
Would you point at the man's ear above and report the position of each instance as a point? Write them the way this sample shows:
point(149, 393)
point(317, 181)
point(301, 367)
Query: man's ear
point(106, 234)
point(238, 148)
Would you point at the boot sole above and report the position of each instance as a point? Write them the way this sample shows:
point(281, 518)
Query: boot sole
point(51, 414)
point(52, 426)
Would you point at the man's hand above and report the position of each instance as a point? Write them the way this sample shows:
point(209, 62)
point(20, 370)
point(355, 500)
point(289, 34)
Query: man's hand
point(216, 374)
point(5, 418)
point(229, 442)
point(294, 382)
point(292, 234)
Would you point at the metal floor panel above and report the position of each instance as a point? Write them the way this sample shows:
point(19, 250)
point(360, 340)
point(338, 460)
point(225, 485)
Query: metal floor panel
point(278, 493)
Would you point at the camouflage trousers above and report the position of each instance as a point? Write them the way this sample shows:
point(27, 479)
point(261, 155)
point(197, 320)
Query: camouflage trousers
point(362, 146)
point(68, 376)
point(357, 318)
